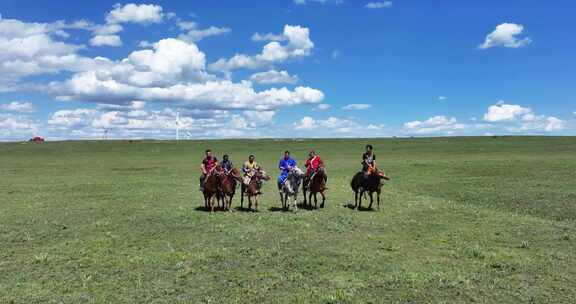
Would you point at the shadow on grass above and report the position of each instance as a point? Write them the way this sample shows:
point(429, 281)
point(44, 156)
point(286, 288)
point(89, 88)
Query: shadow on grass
point(244, 209)
point(352, 207)
point(205, 209)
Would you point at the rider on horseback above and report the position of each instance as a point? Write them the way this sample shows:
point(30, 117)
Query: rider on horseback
point(227, 165)
point(369, 163)
point(208, 164)
point(312, 164)
point(285, 165)
point(249, 168)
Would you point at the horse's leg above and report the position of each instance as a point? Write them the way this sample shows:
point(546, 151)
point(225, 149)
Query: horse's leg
point(310, 198)
point(323, 199)
point(355, 199)
point(256, 203)
point(360, 199)
point(315, 201)
point(242, 196)
point(211, 203)
point(378, 199)
point(371, 200)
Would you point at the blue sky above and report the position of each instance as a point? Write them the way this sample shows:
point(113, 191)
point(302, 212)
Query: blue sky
point(292, 68)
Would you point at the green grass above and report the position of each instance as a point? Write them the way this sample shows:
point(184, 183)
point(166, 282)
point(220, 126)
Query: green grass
point(489, 220)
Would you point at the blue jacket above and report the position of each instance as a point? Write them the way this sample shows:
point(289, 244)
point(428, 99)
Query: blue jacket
point(283, 165)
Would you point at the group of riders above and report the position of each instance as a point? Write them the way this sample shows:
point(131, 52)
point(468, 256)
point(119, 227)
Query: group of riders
point(250, 167)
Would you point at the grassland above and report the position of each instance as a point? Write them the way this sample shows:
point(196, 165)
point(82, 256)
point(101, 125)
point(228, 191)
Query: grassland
point(488, 220)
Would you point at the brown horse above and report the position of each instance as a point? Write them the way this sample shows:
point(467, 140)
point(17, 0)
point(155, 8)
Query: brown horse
point(371, 184)
point(228, 184)
point(316, 184)
point(252, 190)
point(211, 188)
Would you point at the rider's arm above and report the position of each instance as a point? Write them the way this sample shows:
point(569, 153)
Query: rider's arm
point(203, 168)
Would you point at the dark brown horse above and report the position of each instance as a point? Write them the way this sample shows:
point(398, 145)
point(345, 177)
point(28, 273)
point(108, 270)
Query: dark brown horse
point(211, 188)
point(228, 184)
point(316, 184)
point(371, 184)
point(253, 189)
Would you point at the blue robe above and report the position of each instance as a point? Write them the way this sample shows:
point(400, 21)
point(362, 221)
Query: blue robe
point(283, 165)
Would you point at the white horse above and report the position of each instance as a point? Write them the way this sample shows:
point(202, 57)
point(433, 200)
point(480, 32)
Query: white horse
point(289, 189)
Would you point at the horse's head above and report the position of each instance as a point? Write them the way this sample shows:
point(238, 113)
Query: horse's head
point(235, 173)
point(262, 174)
point(295, 171)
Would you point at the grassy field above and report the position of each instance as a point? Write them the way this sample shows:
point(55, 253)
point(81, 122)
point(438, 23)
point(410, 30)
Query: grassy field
point(488, 220)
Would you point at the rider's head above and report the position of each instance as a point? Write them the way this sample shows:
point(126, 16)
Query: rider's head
point(369, 148)
point(251, 158)
point(208, 153)
point(286, 154)
point(225, 157)
point(312, 153)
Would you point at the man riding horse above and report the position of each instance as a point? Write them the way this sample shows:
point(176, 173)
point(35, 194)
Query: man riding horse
point(313, 163)
point(369, 163)
point(285, 165)
point(208, 164)
point(249, 168)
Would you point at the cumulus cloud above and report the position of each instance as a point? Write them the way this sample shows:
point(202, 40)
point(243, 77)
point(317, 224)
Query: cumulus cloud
point(257, 37)
point(338, 127)
point(17, 127)
point(28, 49)
point(506, 35)
point(274, 77)
point(135, 13)
point(379, 4)
point(297, 44)
point(521, 119)
point(436, 124)
point(323, 107)
point(109, 40)
point(135, 121)
point(18, 106)
point(356, 106)
point(193, 33)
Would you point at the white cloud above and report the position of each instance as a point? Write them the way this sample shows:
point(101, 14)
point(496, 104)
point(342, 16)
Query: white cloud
point(274, 77)
point(194, 34)
point(108, 40)
point(28, 49)
point(337, 127)
point(506, 35)
point(436, 124)
point(17, 106)
point(17, 127)
point(442, 98)
point(298, 44)
point(323, 107)
point(516, 118)
point(379, 4)
point(134, 13)
point(507, 112)
point(356, 106)
point(257, 37)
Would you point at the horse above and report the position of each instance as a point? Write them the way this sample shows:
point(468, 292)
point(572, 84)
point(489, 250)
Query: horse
point(252, 190)
point(290, 187)
point(372, 183)
point(228, 184)
point(211, 188)
point(316, 184)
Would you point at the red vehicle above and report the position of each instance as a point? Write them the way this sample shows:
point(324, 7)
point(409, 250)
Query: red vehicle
point(37, 139)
